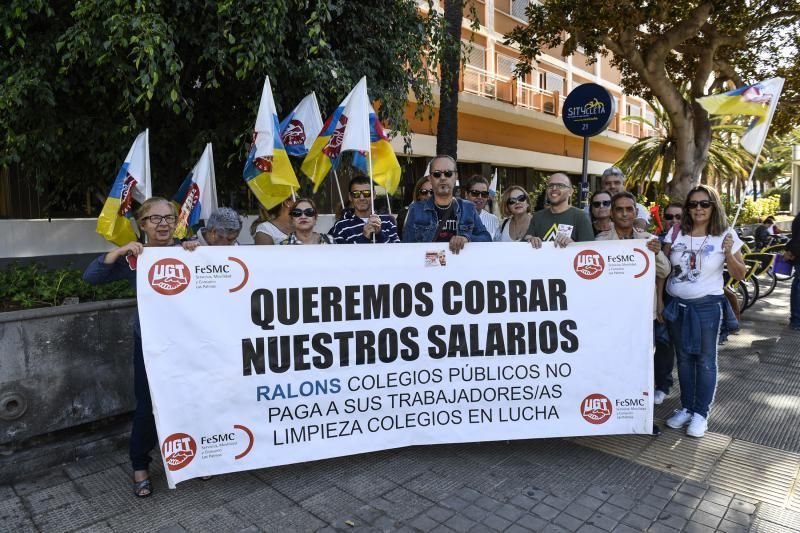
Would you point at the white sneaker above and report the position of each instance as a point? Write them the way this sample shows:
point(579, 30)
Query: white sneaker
point(680, 418)
point(659, 397)
point(697, 427)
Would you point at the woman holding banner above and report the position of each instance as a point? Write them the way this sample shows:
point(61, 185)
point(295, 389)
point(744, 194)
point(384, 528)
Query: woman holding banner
point(516, 210)
point(304, 218)
point(699, 310)
point(156, 218)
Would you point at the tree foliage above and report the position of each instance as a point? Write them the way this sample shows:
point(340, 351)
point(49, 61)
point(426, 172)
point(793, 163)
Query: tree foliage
point(661, 45)
point(79, 80)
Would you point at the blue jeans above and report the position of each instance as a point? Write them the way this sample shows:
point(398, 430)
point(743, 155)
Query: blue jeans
point(794, 302)
point(663, 358)
point(143, 432)
point(697, 366)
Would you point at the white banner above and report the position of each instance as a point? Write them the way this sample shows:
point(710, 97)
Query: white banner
point(269, 355)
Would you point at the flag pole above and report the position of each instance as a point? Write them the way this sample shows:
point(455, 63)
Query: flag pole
point(749, 179)
point(372, 189)
point(388, 201)
point(339, 188)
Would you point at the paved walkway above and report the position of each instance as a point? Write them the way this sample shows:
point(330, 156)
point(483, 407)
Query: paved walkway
point(743, 476)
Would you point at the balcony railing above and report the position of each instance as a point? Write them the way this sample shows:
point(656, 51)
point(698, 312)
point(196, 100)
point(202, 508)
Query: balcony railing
point(488, 85)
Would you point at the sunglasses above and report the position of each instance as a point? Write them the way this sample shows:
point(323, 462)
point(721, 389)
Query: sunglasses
point(425, 192)
point(694, 204)
point(603, 203)
point(558, 186)
point(670, 217)
point(445, 173)
point(158, 219)
point(482, 194)
point(308, 211)
point(361, 194)
point(521, 199)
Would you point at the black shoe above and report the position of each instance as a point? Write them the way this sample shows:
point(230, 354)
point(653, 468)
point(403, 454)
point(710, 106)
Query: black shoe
point(656, 430)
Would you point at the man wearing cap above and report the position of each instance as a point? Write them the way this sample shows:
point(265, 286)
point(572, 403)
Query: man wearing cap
point(222, 229)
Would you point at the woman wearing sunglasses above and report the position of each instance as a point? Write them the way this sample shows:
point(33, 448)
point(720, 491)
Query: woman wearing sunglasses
point(157, 218)
point(699, 310)
point(304, 218)
point(600, 212)
point(516, 210)
point(422, 191)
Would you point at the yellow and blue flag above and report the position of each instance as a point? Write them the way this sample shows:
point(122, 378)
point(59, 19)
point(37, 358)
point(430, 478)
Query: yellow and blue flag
point(758, 100)
point(115, 222)
point(197, 196)
point(325, 152)
point(268, 171)
point(385, 166)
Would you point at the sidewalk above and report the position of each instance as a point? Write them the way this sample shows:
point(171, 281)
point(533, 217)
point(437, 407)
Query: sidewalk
point(743, 476)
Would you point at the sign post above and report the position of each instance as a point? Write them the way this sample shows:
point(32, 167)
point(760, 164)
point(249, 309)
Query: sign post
point(588, 111)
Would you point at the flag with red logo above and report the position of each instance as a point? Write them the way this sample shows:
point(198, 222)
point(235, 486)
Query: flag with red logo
point(115, 222)
point(268, 171)
point(385, 166)
point(758, 100)
point(299, 130)
point(197, 195)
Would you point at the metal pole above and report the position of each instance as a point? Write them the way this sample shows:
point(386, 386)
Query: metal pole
point(584, 174)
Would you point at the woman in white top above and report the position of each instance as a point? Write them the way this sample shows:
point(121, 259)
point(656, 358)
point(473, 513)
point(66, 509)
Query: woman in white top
point(278, 227)
point(516, 210)
point(699, 310)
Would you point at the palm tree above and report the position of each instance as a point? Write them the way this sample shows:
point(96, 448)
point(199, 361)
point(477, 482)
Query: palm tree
point(727, 161)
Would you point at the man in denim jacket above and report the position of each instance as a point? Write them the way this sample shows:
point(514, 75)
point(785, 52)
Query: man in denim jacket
point(444, 218)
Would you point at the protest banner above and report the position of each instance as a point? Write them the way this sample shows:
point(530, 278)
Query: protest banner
point(269, 355)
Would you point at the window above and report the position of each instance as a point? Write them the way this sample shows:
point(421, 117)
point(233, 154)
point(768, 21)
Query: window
point(634, 110)
point(477, 55)
point(518, 8)
point(551, 82)
point(505, 66)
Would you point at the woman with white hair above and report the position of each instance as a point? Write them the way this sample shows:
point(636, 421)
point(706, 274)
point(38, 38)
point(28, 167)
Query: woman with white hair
point(222, 229)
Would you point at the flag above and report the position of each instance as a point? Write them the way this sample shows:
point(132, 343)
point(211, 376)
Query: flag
point(197, 195)
point(299, 130)
point(758, 100)
point(364, 134)
point(267, 171)
point(493, 185)
point(115, 222)
point(324, 154)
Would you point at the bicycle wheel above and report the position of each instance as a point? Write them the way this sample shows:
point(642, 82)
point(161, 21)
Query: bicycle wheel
point(742, 297)
point(752, 288)
point(767, 281)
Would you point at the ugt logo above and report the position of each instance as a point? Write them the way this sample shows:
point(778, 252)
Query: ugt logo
point(589, 264)
point(169, 276)
point(178, 450)
point(596, 408)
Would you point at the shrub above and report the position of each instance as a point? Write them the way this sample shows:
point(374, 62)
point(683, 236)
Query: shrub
point(33, 285)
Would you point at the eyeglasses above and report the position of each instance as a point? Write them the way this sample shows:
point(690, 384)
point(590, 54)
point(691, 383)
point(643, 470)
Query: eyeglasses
point(445, 173)
point(158, 219)
point(670, 217)
point(361, 194)
point(308, 211)
point(482, 194)
point(522, 198)
point(601, 203)
point(425, 192)
point(694, 204)
point(558, 186)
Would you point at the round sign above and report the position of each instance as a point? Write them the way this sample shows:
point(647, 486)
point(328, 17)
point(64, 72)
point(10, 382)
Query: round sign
point(588, 110)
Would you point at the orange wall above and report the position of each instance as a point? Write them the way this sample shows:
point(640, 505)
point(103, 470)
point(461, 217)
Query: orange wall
point(494, 132)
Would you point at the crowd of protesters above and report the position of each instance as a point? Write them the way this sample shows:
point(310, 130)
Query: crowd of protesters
point(691, 309)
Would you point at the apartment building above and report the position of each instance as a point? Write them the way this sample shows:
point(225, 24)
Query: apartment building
point(515, 125)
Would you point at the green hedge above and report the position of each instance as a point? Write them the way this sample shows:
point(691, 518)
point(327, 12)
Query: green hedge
point(33, 285)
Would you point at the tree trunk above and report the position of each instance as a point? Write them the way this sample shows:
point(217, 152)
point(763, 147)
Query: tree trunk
point(692, 132)
point(447, 126)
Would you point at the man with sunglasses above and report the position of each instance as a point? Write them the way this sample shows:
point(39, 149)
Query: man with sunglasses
point(358, 225)
point(444, 218)
point(613, 181)
point(477, 192)
point(559, 222)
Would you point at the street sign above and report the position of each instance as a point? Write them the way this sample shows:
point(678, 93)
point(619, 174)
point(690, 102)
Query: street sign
point(588, 110)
